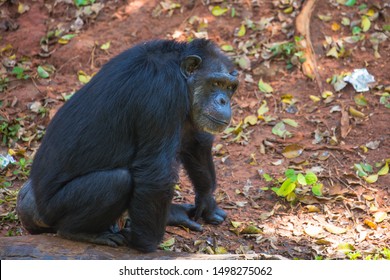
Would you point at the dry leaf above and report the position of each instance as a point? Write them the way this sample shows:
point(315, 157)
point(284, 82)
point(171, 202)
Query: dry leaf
point(292, 151)
point(380, 217)
point(312, 208)
point(313, 231)
point(334, 229)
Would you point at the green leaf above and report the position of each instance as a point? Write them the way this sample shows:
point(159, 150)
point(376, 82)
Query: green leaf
point(371, 179)
point(301, 179)
point(251, 230)
point(68, 36)
point(167, 244)
point(42, 72)
point(83, 77)
point(286, 188)
point(345, 247)
point(251, 120)
point(263, 109)
point(18, 71)
point(366, 23)
point(386, 253)
point(333, 52)
point(384, 170)
point(366, 167)
point(356, 30)
point(325, 17)
point(291, 174)
point(227, 48)
point(280, 130)
point(275, 189)
point(317, 189)
point(80, 3)
point(220, 250)
point(235, 224)
point(311, 178)
point(267, 177)
point(290, 122)
point(360, 100)
point(218, 11)
point(360, 171)
point(244, 62)
point(345, 21)
point(105, 46)
point(264, 87)
point(242, 31)
point(350, 3)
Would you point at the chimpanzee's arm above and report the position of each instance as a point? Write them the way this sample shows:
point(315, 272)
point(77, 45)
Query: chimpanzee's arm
point(197, 159)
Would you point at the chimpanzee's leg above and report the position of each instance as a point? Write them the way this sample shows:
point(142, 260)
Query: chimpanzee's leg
point(148, 211)
point(197, 159)
point(26, 207)
point(86, 207)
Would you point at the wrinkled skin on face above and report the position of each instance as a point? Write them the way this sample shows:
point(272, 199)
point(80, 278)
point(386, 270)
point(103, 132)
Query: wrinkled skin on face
point(212, 85)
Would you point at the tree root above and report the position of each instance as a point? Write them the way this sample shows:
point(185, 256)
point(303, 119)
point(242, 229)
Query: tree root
point(302, 26)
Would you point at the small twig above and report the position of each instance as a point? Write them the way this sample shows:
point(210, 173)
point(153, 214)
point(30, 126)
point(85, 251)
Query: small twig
point(32, 79)
point(346, 185)
point(93, 57)
point(337, 159)
point(312, 148)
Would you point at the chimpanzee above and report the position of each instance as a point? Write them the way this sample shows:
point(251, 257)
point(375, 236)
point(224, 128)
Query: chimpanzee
point(116, 145)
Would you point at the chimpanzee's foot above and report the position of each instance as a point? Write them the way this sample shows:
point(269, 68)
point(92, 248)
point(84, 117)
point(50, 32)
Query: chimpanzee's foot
point(207, 208)
point(179, 215)
point(215, 217)
point(105, 238)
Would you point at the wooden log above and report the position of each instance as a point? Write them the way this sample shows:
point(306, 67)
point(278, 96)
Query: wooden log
point(50, 247)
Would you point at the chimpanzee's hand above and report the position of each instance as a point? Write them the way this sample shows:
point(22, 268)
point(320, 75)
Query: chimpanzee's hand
point(179, 215)
point(207, 208)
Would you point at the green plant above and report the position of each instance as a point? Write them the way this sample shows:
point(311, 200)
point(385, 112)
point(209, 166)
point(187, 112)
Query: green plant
point(4, 184)
point(19, 73)
point(298, 183)
point(366, 171)
point(386, 253)
point(10, 217)
point(290, 51)
point(9, 130)
point(354, 255)
point(80, 3)
point(22, 168)
point(384, 99)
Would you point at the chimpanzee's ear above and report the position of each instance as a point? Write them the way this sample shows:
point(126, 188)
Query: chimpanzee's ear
point(190, 64)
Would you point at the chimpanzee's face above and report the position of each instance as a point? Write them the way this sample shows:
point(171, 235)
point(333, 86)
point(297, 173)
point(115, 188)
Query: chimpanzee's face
point(211, 86)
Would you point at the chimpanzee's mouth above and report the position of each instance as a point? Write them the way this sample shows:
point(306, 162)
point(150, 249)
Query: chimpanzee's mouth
point(219, 122)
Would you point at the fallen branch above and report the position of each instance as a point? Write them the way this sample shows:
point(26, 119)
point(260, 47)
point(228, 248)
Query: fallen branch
point(309, 147)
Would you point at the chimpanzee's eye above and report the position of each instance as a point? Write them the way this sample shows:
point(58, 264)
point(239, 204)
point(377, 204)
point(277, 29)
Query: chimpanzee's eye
point(232, 87)
point(218, 84)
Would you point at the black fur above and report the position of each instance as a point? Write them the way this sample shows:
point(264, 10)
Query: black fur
point(117, 143)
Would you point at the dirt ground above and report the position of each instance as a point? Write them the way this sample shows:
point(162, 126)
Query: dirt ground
point(334, 135)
